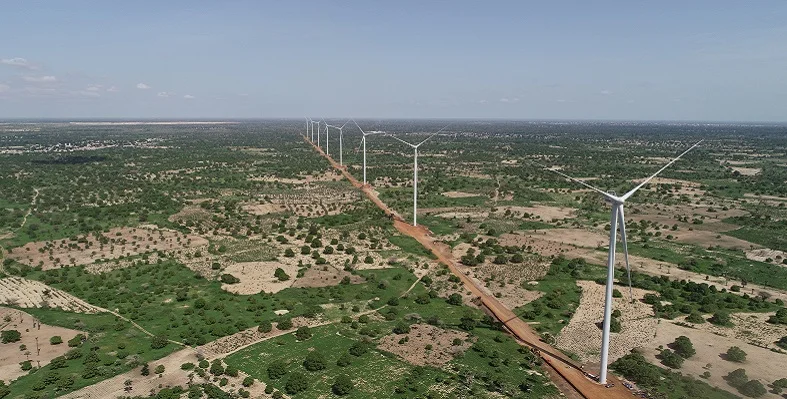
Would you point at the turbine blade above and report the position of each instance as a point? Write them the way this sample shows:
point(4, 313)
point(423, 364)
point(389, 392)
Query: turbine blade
point(596, 189)
point(622, 223)
point(397, 138)
point(419, 144)
point(644, 182)
point(345, 124)
point(359, 128)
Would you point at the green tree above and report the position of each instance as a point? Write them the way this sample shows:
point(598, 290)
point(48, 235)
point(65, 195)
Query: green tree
point(737, 378)
point(467, 322)
point(55, 340)
point(216, 368)
point(736, 354)
point(342, 385)
point(671, 359)
point(344, 360)
point(289, 253)
point(265, 326)
point(401, 328)
point(683, 347)
point(284, 324)
point(695, 318)
point(753, 389)
point(721, 319)
point(281, 274)
point(276, 369)
point(145, 370)
point(779, 318)
point(455, 299)
point(614, 325)
point(303, 333)
point(296, 382)
point(314, 361)
point(158, 342)
point(248, 381)
point(10, 336)
point(358, 348)
point(159, 369)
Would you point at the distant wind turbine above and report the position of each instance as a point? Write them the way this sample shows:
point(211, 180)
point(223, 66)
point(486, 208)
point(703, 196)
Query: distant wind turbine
point(617, 216)
point(415, 172)
point(363, 143)
point(341, 161)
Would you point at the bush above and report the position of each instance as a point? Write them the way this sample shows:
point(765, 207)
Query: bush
point(695, 318)
point(683, 347)
point(284, 324)
point(358, 349)
point(265, 326)
point(9, 336)
point(614, 325)
point(248, 381)
point(779, 318)
point(289, 253)
point(296, 383)
point(276, 370)
point(76, 341)
point(303, 333)
point(216, 368)
point(342, 385)
point(56, 340)
point(671, 359)
point(344, 360)
point(616, 293)
point(159, 369)
point(158, 342)
point(281, 274)
point(737, 378)
point(229, 279)
point(401, 328)
point(314, 361)
point(721, 319)
point(187, 366)
point(736, 354)
point(753, 389)
point(455, 299)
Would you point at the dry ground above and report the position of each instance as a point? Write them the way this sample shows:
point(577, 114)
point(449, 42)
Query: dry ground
point(751, 328)
point(414, 350)
point(460, 194)
point(762, 364)
point(582, 336)
point(30, 328)
point(541, 212)
point(124, 241)
point(25, 293)
point(256, 277)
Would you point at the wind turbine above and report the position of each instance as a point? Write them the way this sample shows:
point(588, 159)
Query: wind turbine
point(415, 172)
point(616, 217)
point(326, 136)
point(363, 143)
point(341, 162)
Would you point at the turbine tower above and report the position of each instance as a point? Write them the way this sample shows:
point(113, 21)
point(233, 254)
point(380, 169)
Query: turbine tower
point(341, 161)
point(617, 216)
point(363, 143)
point(326, 136)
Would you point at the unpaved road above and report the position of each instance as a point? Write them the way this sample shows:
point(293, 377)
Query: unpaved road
point(565, 369)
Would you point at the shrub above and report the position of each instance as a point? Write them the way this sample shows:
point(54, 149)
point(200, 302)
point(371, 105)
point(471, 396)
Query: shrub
point(276, 369)
point(344, 360)
point(401, 328)
point(56, 340)
point(289, 253)
point(455, 299)
point(695, 318)
point(216, 368)
point(358, 349)
point(248, 381)
point(159, 369)
point(229, 279)
point(281, 274)
point(779, 318)
point(76, 341)
point(187, 366)
point(753, 389)
point(314, 361)
point(736, 354)
point(721, 319)
point(296, 383)
point(158, 342)
point(614, 325)
point(284, 324)
point(683, 347)
point(342, 385)
point(265, 326)
point(303, 333)
point(737, 378)
point(671, 359)
point(9, 336)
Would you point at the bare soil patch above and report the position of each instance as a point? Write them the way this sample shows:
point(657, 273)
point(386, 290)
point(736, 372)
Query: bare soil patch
point(582, 337)
point(263, 209)
point(26, 293)
point(324, 276)
point(256, 277)
point(123, 241)
point(542, 212)
point(415, 351)
point(746, 171)
point(30, 328)
point(763, 364)
point(752, 328)
point(460, 194)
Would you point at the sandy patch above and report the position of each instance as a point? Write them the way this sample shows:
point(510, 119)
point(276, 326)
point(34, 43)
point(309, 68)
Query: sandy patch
point(765, 197)
point(263, 209)
point(752, 328)
point(328, 175)
point(30, 328)
point(746, 171)
point(26, 293)
point(763, 364)
point(763, 254)
point(256, 277)
point(459, 194)
point(582, 337)
point(577, 237)
point(463, 215)
point(324, 276)
point(190, 213)
point(414, 350)
point(543, 212)
point(123, 241)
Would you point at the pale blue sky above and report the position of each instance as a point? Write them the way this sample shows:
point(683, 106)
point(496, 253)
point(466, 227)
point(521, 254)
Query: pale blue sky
point(659, 60)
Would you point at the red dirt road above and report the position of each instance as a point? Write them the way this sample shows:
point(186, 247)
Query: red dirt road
point(560, 365)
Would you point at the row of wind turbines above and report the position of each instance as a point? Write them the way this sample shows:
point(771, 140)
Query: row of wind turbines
point(617, 216)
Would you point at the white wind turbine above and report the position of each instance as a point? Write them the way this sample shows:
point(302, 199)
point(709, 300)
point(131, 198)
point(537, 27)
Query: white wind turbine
point(311, 123)
point(326, 136)
point(341, 161)
point(363, 143)
point(616, 217)
point(415, 172)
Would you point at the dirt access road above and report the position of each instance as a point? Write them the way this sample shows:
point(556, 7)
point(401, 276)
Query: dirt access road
point(563, 370)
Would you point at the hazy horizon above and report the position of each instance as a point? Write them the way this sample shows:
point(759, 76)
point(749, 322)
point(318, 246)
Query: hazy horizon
point(720, 61)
